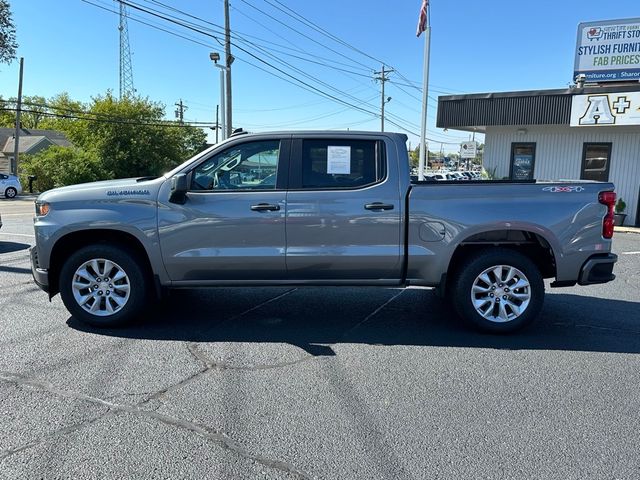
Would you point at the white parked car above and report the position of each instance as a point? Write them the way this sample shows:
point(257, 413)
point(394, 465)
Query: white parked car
point(9, 185)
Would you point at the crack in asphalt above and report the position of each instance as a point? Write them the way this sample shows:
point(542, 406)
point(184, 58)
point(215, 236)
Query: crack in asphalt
point(206, 365)
point(213, 365)
point(51, 436)
point(206, 432)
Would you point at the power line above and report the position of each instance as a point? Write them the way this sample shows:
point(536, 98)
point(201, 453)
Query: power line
point(324, 46)
point(74, 114)
point(178, 22)
point(289, 78)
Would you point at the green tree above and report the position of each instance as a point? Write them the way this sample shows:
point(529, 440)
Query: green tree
point(58, 166)
point(7, 116)
point(116, 138)
point(63, 113)
point(8, 44)
point(414, 157)
point(34, 111)
point(130, 137)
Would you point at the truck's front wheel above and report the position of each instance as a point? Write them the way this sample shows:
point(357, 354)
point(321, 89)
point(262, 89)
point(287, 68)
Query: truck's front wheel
point(498, 290)
point(103, 285)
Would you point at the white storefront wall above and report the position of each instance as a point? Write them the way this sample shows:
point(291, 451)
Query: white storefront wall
point(559, 154)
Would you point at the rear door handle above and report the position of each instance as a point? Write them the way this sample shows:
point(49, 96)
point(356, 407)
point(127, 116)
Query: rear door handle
point(265, 207)
point(379, 206)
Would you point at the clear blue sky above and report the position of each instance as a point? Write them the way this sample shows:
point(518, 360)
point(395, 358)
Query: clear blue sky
point(495, 45)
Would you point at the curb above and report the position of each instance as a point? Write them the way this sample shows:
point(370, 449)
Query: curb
point(627, 229)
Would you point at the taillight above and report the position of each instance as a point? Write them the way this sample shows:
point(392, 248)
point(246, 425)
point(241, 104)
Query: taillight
point(608, 199)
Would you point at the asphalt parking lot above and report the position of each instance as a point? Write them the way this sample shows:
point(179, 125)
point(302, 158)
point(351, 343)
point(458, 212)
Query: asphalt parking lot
point(321, 383)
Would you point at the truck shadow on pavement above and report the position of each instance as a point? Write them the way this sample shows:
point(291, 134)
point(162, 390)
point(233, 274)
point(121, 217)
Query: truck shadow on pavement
point(9, 247)
point(314, 319)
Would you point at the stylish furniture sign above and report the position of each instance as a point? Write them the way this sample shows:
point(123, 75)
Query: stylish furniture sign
point(608, 51)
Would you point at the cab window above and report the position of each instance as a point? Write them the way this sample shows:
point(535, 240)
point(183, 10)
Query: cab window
point(341, 163)
point(249, 166)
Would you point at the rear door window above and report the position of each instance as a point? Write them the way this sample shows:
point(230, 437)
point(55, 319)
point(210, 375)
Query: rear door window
point(331, 164)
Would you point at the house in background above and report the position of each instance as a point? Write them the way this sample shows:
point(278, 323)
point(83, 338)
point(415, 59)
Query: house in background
point(31, 142)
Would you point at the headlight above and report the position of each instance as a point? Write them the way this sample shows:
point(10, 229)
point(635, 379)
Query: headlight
point(42, 208)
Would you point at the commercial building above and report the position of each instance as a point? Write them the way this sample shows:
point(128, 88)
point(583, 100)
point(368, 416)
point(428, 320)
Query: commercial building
point(590, 133)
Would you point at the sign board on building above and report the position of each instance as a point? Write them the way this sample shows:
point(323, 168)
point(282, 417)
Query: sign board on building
point(468, 149)
point(608, 51)
point(605, 109)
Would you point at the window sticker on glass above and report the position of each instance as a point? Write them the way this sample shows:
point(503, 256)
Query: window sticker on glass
point(339, 160)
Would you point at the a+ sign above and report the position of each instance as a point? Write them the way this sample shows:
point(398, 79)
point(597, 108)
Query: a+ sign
point(621, 105)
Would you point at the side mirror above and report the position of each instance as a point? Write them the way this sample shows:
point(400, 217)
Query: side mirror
point(178, 189)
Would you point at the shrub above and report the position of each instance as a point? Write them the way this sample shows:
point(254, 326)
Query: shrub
point(59, 166)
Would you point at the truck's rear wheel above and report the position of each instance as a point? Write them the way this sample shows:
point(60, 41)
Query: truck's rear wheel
point(103, 285)
point(498, 290)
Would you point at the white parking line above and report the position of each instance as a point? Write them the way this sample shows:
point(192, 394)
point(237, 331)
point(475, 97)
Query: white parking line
point(630, 253)
point(17, 234)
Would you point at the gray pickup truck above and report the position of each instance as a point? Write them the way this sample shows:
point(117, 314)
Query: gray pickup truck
point(314, 209)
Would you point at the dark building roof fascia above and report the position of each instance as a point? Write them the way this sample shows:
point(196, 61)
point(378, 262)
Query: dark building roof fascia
point(533, 107)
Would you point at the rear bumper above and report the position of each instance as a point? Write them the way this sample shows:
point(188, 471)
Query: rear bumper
point(40, 275)
point(598, 269)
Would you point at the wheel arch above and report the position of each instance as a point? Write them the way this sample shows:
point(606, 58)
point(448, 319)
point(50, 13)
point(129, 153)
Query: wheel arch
point(534, 245)
point(73, 241)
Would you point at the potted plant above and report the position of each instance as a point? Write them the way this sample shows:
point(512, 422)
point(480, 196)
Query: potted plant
point(619, 215)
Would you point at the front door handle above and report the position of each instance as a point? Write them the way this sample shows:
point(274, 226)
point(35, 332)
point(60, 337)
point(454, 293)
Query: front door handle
point(265, 207)
point(379, 206)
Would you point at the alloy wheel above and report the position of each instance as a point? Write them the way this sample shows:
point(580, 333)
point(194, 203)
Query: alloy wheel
point(501, 293)
point(101, 287)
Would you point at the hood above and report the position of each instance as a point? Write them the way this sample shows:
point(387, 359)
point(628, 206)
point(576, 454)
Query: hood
point(140, 187)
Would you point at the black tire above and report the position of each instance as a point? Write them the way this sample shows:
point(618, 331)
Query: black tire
point(505, 312)
point(10, 192)
point(124, 261)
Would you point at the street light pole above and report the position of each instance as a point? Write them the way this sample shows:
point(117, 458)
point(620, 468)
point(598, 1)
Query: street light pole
point(215, 56)
point(222, 102)
point(228, 61)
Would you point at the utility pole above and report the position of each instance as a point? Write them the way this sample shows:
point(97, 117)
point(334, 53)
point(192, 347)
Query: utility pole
point(180, 111)
point(383, 100)
point(229, 61)
point(16, 144)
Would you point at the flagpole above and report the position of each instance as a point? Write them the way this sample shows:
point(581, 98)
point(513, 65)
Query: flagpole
point(422, 161)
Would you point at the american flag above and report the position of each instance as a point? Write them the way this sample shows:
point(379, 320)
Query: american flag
point(422, 21)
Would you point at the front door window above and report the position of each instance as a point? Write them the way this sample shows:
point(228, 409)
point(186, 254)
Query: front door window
point(249, 166)
point(523, 159)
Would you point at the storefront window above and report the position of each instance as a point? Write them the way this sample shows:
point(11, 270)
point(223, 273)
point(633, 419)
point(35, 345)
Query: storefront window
point(523, 159)
point(596, 158)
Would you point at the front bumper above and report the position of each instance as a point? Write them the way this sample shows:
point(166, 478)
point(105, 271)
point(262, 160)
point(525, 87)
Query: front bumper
point(40, 275)
point(598, 269)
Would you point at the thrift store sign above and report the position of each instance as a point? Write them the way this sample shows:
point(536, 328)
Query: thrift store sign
point(608, 51)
